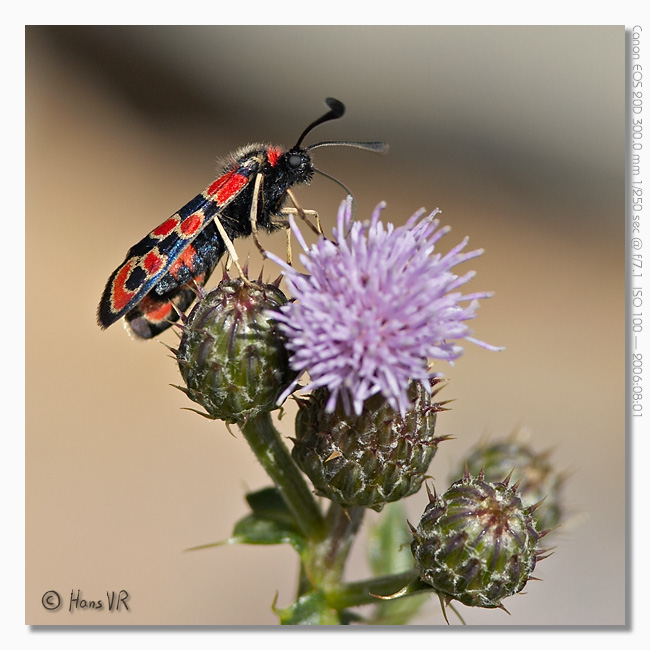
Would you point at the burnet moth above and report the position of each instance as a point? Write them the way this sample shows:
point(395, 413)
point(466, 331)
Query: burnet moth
point(161, 273)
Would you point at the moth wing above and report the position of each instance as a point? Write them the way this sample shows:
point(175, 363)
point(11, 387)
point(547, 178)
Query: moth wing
point(151, 258)
point(153, 314)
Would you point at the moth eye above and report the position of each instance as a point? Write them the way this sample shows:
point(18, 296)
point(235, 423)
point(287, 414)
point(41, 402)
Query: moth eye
point(295, 161)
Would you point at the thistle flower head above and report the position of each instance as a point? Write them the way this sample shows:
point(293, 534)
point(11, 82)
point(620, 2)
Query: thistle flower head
point(370, 459)
point(231, 356)
point(477, 543)
point(538, 479)
point(377, 302)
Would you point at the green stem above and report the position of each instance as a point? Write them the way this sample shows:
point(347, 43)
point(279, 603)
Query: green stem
point(264, 439)
point(330, 537)
point(331, 555)
point(365, 592)
point(304, 585)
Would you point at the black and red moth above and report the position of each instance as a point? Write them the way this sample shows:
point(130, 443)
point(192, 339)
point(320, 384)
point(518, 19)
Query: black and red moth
point(160, 274)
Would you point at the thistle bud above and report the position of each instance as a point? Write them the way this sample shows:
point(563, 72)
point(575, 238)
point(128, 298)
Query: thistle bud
point(231, 355)
point(369, 459)
point(476, 543)
point(538, 479)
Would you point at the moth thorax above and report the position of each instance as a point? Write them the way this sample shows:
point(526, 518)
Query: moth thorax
point(255, 154)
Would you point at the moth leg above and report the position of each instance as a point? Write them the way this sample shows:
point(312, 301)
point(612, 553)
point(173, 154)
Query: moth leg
point(229, 247)
point(259, 180)
point(304, 213)
point(289, 253)
point(281, 220)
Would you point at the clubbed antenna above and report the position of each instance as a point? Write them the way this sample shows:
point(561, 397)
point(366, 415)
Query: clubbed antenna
point(376, 147)
point(337, 109)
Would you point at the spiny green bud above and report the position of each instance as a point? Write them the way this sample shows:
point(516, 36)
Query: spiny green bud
point(231, 355)
point(538, 479)
point(369, 459)
point(477, 543)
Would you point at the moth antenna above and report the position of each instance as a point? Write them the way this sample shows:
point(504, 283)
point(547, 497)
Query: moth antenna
point(376, 147)
point(341, 185)
point(337, 109)
point(335, 180)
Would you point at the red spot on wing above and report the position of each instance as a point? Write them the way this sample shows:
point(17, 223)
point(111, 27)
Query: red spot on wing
point(155, 311)
point(165, 228)
point(234, 184)
point(226, 186)
point(218, 184)
point(186, 258)
point(120, 295)
point(192, 224)
point(153, 262)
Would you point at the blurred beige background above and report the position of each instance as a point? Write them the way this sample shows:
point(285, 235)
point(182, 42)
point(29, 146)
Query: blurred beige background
point(517, 134)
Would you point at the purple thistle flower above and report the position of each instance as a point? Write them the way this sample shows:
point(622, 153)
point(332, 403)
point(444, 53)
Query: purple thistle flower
point(376, 304)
